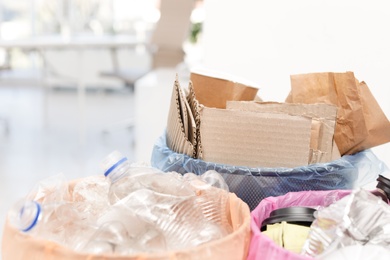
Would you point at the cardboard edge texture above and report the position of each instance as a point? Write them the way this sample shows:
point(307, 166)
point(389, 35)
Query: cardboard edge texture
point(177, 125)
point(194, 108)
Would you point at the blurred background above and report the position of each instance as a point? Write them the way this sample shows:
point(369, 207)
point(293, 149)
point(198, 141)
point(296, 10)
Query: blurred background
point(81, 78)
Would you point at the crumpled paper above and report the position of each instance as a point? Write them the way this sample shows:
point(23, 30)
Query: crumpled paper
point(361, 123)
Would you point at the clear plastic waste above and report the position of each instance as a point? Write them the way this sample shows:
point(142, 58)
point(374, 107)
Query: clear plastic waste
point(111, 237)
point(359, 218)
point(177, 217)
point(133, 209)
point(89, 197)
point(206, 180)
point(50, 190)
point(125, 178)
point(56, 222)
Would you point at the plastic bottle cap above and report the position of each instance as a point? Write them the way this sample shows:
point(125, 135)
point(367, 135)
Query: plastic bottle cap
point(36, 207)
point(114, 166)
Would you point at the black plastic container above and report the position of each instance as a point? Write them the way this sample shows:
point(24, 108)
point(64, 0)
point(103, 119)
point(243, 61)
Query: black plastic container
point(383, 189)
point(293, 215)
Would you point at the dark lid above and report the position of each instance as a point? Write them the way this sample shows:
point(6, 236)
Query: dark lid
point(384, 184)
point(298, 215)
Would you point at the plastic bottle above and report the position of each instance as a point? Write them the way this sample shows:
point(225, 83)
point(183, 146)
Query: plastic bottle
point(142, 234)
point(50, 190)
point(178, 218)
point(57, 222)
point(89, 197)
point(212, 197)
point(383, 189)
point(111, 237)
point(125, 178)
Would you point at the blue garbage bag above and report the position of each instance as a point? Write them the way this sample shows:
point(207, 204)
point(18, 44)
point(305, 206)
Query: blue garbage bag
point(254, 184)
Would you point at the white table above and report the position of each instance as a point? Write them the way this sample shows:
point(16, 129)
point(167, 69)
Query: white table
point(78, 43)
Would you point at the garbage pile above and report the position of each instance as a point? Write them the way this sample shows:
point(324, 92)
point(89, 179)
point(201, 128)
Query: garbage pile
point(323, 224)
point(133, 209)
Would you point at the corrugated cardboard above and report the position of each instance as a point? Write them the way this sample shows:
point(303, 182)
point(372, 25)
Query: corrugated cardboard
point(212, 90)
point(323, 122)
point(194, 107)
point(254, 139)
point(236, 137)
point(180, 124)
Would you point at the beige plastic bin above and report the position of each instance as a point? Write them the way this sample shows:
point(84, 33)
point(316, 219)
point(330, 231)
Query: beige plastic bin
point(20, 246)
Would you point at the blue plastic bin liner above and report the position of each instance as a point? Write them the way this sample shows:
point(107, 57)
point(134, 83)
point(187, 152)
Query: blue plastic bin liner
point(254, 184)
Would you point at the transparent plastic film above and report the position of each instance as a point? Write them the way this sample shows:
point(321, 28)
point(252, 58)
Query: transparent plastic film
point(358, 219)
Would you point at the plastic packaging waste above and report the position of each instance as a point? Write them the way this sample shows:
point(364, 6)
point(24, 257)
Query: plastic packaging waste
point(358, 252)
point(17, 245)
point(50, 190)
point(89, 197)
point(113, 237)
point(178, 218)
point(210, 200)
point(150, 211)
point(125, 178)
point(56, 222)
point(261, 246)
point(360, 218)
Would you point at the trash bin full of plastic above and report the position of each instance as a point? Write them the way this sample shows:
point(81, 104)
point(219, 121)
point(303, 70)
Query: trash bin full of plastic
point(18, 245)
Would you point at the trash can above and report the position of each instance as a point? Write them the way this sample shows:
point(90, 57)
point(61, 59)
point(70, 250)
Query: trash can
point(19, 246)
point(254, 184)
point(261, 246)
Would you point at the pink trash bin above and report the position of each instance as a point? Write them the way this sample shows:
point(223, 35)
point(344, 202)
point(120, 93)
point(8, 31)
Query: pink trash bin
point(261, 246)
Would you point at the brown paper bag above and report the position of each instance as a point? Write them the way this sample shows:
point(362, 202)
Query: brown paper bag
point(378, 126)
point(214, 91)
point(361, 124)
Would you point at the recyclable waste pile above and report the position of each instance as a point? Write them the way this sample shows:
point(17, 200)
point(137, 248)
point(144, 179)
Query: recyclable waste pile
point(360, 219)
point(131, 209)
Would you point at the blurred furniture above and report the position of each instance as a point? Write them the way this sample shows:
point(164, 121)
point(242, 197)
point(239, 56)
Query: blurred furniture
point(166, 43)
point(80, 44)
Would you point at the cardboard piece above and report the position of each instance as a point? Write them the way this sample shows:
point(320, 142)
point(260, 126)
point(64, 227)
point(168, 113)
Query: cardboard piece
point(361, 124)
point(323, 123)
point(235, 137)
point(180, 124)
point(213, 90)
point(194, 108)
point(254, 139)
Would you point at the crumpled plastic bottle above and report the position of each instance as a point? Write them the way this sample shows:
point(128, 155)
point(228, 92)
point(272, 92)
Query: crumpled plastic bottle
point(89, 197)
point(57, 222)
point(125, 178)
point(178, 218)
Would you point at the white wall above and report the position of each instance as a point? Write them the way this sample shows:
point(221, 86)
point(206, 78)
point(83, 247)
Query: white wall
point(267, 41)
